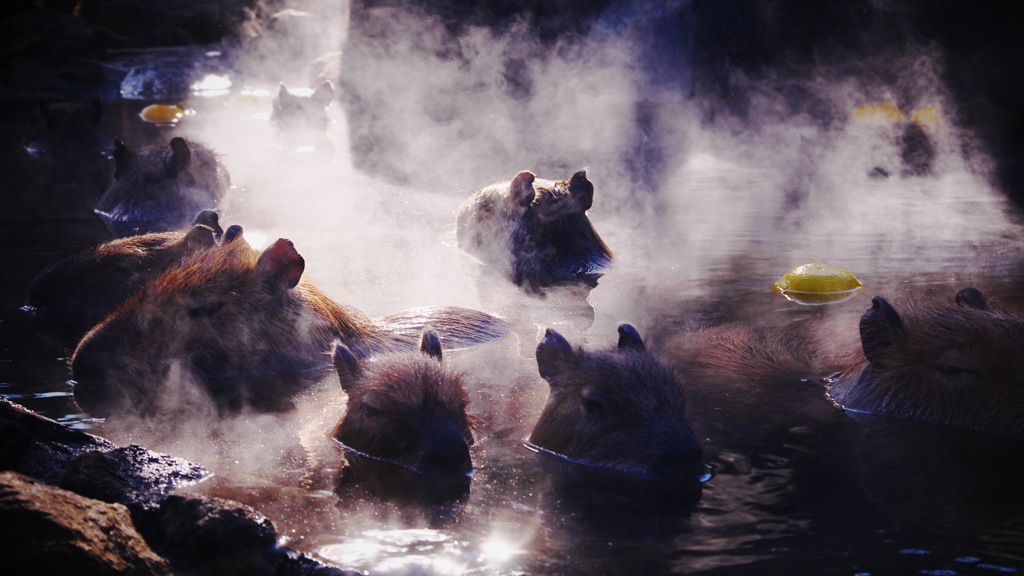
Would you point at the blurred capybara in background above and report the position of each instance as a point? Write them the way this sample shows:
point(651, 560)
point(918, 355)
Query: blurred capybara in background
point(296, 115)
point(242, 328)
point(617, 409)
point(535, 231)
point(407, 409)
point(958, 364)
point(72, 295)
point(66, 131)
point(160, 188)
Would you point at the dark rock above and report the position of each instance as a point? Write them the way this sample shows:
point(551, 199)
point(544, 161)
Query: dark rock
point(46, 530)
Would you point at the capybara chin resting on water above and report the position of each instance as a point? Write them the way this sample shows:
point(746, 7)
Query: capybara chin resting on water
point(960, 364)
point(535, 231)
point(243, 326)
point(617, 409)
point(406, 409)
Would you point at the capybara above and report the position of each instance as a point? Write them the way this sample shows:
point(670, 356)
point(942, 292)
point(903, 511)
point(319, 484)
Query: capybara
point(161, 188)
point(302, 114)
point(957, 364)
point(243, 328)
point(407, 409)
point(535, 231)
point(617, 409)
point(72, 295)
point(66, 131)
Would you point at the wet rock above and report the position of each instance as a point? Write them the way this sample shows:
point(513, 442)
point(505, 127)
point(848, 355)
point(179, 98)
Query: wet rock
point(46, 530)
point(214, 536)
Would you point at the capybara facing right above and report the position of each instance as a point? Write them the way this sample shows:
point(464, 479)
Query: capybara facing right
point(619, 410)
point(161, 188)
point(957, 364)
point(407, 409)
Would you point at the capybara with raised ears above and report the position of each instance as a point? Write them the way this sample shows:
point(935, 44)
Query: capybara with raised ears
point(161, 188)
point(293, 113)
point(72, 295)
point(960, 364)
point(244, 328)
point(618, 409)
point(535, 231)
point(407, 409)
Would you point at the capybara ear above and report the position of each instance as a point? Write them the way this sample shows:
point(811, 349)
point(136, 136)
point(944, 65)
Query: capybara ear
point(430, 344)
point(323, 94)
point(210, 219)
point(181, 156)
point(581, 190)
point(122, 158)
point(347, 365)
point(282, 92)
point(198, 237)
point(522, 188)
point(233, 232)
point(880, 329)
point(971, 297)
point(629, 338)
point(554, 355)
point(95, 110)
point(280, 266)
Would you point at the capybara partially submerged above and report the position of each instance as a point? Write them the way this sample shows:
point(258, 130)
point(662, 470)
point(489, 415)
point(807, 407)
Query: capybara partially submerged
point(535, 231)
point(958, 364)
point(67, 132)
point(243, 328)
point(292, 113)
point(161, 188)
point(407, 409)
point(617, 409)
point(71, 296)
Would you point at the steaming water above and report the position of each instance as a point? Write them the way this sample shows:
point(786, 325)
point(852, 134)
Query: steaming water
point(728, 215)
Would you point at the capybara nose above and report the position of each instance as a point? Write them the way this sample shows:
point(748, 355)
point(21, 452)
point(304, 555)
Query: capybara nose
point(447, 454)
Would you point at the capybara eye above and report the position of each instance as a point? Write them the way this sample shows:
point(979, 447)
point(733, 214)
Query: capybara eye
point(953, 371)
point(206, 310)
point(591, 403)
point(370, 411)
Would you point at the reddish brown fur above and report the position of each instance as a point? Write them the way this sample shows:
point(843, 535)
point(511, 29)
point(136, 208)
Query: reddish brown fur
point(408, 409)
point(618, 409)
point(243, 325)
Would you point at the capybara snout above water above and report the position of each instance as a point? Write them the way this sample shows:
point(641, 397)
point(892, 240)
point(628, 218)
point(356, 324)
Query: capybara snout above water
point(618, 409)
point(960, 364)
point(535, 231)
point(243, 328)
point(407, 409)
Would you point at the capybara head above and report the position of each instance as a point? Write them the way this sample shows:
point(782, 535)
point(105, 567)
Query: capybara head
point(617, 409)
point(160, 188)
point(407, 409)
point(537, 229)
point(959, 365)
point(71, 296)
point(230, 322)
point(66, 131)
point(293, 113)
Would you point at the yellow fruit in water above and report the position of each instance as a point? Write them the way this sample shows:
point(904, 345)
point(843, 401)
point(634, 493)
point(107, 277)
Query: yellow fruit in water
point(162, 113)
point(928, 118)
point(818, 284)
point(879, 112)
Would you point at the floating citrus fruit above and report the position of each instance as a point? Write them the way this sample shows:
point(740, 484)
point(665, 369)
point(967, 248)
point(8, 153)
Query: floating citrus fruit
point(818, 284)
point(879, 112)
point(162, 113)
point(928, 118)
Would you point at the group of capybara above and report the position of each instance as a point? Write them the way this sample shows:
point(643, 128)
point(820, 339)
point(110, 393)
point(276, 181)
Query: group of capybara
point(190, 304)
